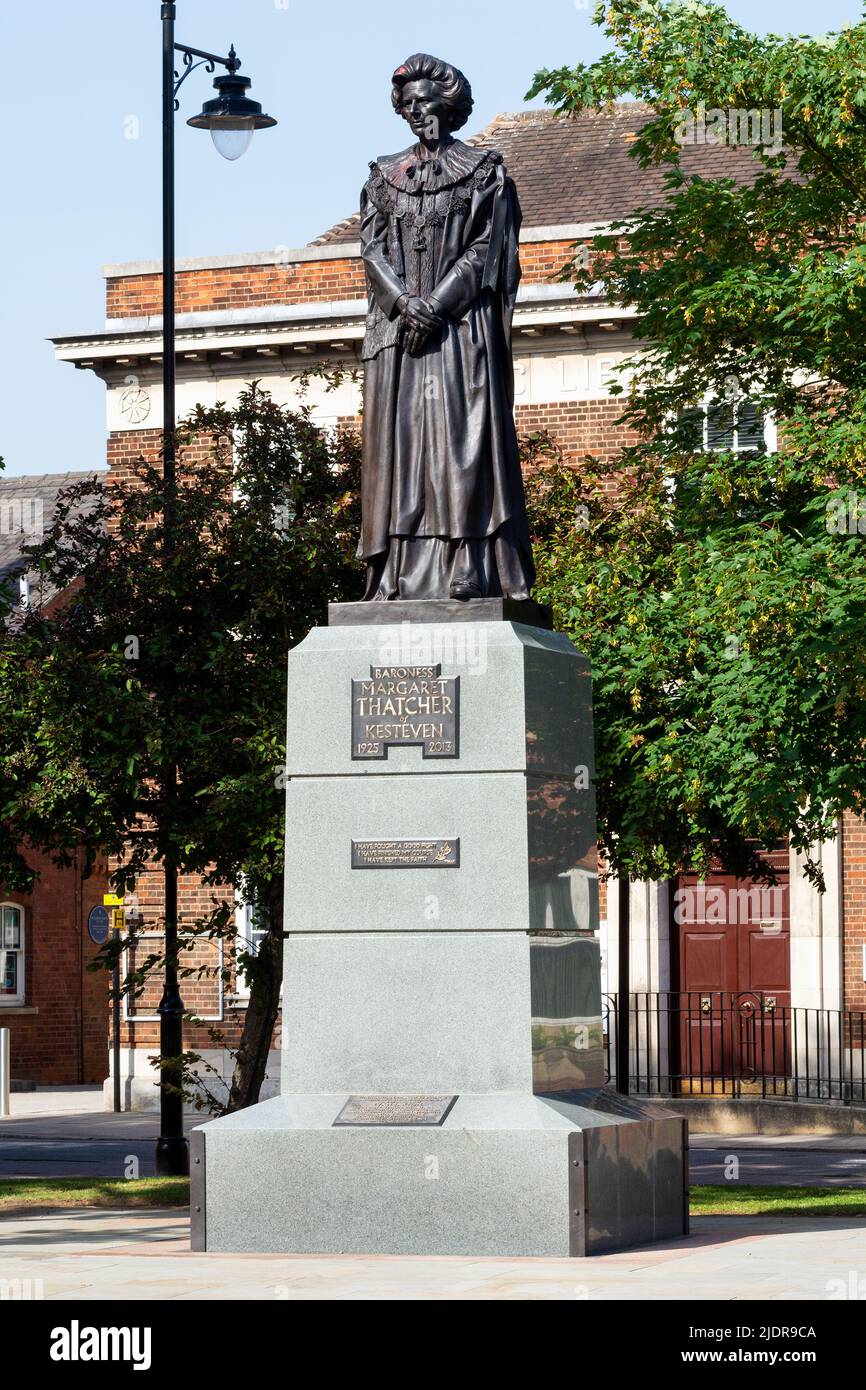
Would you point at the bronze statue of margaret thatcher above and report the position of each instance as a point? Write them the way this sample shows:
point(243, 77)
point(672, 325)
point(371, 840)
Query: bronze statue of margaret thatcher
point(444, 514)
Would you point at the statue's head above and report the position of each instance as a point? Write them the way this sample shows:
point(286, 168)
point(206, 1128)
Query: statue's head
point(434, 97)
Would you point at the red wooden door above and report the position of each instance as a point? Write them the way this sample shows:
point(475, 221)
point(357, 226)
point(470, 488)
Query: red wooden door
point(734, 981)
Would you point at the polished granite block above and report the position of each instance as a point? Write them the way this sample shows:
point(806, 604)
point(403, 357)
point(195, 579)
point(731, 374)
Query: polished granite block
point(418, 1013)
point(441, 1012)
point(565, 997)
point(504, 1175)
point(526, 858)
point(636, 1184)
point(525, 700)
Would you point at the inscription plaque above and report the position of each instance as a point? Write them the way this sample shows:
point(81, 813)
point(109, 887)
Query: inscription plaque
point(405, 854)
point(405, 707)
point(395, 1110)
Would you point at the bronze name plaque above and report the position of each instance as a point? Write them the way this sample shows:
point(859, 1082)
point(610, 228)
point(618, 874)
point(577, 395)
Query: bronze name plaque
point(405, 707)
point(395, 1110)
point(405, 854)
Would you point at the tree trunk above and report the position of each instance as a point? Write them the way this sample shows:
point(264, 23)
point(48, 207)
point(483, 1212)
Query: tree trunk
point(255, 1045)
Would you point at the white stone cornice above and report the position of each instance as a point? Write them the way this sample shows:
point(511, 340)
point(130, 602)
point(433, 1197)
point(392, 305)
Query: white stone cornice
point(294, 324)
point(278, 255)
point(565, 231)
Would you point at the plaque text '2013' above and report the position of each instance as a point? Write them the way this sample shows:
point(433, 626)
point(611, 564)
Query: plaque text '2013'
point(406, 706)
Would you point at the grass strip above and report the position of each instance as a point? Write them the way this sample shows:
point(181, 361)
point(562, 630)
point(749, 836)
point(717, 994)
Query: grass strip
point(744, 1199)
point(23, 1194)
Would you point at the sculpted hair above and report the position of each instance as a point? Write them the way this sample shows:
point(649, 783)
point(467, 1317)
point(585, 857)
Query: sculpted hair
point(453, 86)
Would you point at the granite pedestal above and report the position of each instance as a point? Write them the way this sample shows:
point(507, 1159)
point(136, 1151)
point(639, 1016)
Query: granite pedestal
point(443, 1061)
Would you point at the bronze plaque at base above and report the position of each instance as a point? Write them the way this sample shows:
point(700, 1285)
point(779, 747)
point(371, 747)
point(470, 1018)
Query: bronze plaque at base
point(405, 854)
point(427, 1111)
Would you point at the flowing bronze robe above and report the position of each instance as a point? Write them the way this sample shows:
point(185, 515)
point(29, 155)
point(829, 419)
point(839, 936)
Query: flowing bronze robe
point(442, 488)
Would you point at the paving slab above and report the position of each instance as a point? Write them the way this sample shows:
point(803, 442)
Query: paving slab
point(115, 1255)
point(55, 1100)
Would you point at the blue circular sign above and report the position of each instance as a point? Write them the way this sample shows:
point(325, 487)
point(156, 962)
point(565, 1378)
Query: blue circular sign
point(98, 925)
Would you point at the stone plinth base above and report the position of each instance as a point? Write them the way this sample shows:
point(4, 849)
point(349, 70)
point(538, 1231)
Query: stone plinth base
point(504, 1175)
point(441, 901)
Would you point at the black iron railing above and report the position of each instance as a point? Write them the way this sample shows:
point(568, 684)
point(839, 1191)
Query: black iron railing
point(717, 1043)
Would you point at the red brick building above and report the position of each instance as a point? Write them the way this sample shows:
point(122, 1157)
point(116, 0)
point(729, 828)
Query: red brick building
point(271, 313)
point(56, 1011)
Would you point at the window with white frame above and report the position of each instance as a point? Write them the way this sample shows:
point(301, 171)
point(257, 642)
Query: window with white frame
point(731, 426)
point(11, 954)
point(251, 931)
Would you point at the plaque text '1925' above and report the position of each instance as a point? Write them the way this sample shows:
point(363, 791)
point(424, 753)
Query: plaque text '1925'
point(406, 706)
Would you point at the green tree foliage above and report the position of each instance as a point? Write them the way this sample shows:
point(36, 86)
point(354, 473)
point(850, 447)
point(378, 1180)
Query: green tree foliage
point(721, 596)
point(142, 664)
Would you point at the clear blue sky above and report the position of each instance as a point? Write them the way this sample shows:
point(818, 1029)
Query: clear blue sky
point(79, 193)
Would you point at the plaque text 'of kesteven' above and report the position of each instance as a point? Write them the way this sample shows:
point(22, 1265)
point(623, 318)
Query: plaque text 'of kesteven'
point(405, 854)
point(406, 706)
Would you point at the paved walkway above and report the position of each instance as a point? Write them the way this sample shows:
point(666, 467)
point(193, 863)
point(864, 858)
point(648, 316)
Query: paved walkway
point(117, 1255)
point(50, 1101)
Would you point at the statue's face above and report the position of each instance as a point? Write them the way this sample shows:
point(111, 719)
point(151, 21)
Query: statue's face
point(422, 106)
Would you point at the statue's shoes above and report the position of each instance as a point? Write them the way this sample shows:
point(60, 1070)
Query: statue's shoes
point(464, 589)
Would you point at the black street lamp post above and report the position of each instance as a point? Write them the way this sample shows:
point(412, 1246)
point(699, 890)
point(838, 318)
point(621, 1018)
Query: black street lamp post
point(231, 118)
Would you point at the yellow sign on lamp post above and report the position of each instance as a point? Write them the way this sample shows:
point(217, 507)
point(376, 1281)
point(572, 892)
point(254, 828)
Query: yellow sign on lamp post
point(118, 923)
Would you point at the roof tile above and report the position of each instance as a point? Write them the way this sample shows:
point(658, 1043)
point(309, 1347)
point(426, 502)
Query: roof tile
point(578, 168)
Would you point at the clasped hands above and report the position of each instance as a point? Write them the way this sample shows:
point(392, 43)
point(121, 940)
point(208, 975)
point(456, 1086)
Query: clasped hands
point(420, 319)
